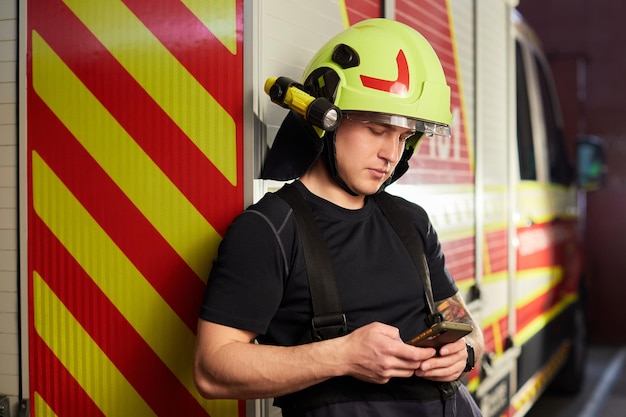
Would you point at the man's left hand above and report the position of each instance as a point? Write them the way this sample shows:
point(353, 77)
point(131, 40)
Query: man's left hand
point(447, 366)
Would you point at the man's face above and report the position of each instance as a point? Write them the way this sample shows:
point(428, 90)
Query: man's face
point(367, 153)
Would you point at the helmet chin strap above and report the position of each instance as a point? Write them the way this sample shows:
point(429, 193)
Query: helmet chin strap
point(331, 162)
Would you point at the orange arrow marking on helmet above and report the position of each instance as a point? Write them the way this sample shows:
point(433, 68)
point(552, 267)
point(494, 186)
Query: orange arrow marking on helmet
point(398, 86)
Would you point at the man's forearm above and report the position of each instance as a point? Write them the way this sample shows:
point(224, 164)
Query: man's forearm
point(245, 370)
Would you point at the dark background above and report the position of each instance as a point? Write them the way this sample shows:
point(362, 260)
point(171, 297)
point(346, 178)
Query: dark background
point(585, 42)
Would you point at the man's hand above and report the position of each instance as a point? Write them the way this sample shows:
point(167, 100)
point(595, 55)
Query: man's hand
point(376, 353)
point(447, 366)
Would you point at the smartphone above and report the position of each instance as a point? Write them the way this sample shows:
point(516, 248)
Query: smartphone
point(440, 334)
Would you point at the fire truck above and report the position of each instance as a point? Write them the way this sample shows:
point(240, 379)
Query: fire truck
point(143, 126)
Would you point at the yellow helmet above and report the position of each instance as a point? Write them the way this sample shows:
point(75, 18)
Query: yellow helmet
point(383, 66)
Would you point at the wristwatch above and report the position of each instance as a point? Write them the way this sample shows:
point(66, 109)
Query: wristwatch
point(469, 365)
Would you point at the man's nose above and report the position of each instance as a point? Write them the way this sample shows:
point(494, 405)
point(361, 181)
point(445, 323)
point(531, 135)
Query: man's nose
point(391, 149)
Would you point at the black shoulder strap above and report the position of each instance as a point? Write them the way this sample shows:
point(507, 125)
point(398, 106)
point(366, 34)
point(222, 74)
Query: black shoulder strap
point(328, 318)
point(414, 245)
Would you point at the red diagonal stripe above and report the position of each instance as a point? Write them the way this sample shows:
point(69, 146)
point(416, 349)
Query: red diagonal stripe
point(109, 329)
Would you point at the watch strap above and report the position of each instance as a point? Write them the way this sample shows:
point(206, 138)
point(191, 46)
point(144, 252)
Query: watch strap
point(471, 359)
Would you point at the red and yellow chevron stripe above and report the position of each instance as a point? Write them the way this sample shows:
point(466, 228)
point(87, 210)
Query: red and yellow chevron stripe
point(135, 166)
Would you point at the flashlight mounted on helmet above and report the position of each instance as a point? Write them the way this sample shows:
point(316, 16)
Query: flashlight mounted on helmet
point(287, 93)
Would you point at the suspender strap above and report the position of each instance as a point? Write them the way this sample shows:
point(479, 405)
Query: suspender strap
point(328, 318)
point(414, 245)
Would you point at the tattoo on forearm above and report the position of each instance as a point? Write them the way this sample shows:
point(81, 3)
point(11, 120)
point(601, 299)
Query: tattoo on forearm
point(453, 309)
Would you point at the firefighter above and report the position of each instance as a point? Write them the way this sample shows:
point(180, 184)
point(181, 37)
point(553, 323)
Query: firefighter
point(257, 333)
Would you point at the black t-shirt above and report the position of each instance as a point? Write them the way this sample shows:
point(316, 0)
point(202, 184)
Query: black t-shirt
point(258, 281)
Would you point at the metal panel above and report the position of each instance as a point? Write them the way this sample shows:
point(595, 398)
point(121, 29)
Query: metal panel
point(492, 35)
point(492, 172)
point(9, 292)
point(463, 32)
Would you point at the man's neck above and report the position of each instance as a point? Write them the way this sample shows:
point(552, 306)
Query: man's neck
point(318, 181)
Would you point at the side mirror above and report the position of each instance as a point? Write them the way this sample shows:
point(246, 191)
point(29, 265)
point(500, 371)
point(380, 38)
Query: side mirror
point(591, 163)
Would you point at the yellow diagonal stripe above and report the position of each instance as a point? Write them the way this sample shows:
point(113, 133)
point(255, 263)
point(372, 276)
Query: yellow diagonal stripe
point(113, 273)
point(71, 344)
point(178, 221)
point(220, 17)
point(539, 323)
point(167, 81)
point(42, 409)
point(541, 285)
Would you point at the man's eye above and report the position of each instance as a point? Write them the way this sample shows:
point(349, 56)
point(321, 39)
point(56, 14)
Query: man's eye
point(376, 131)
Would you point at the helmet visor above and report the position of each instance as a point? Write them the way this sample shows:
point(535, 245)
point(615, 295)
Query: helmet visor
point(429, 128)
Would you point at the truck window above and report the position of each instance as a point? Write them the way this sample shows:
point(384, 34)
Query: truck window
point(526, 148)
point(557, 151)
